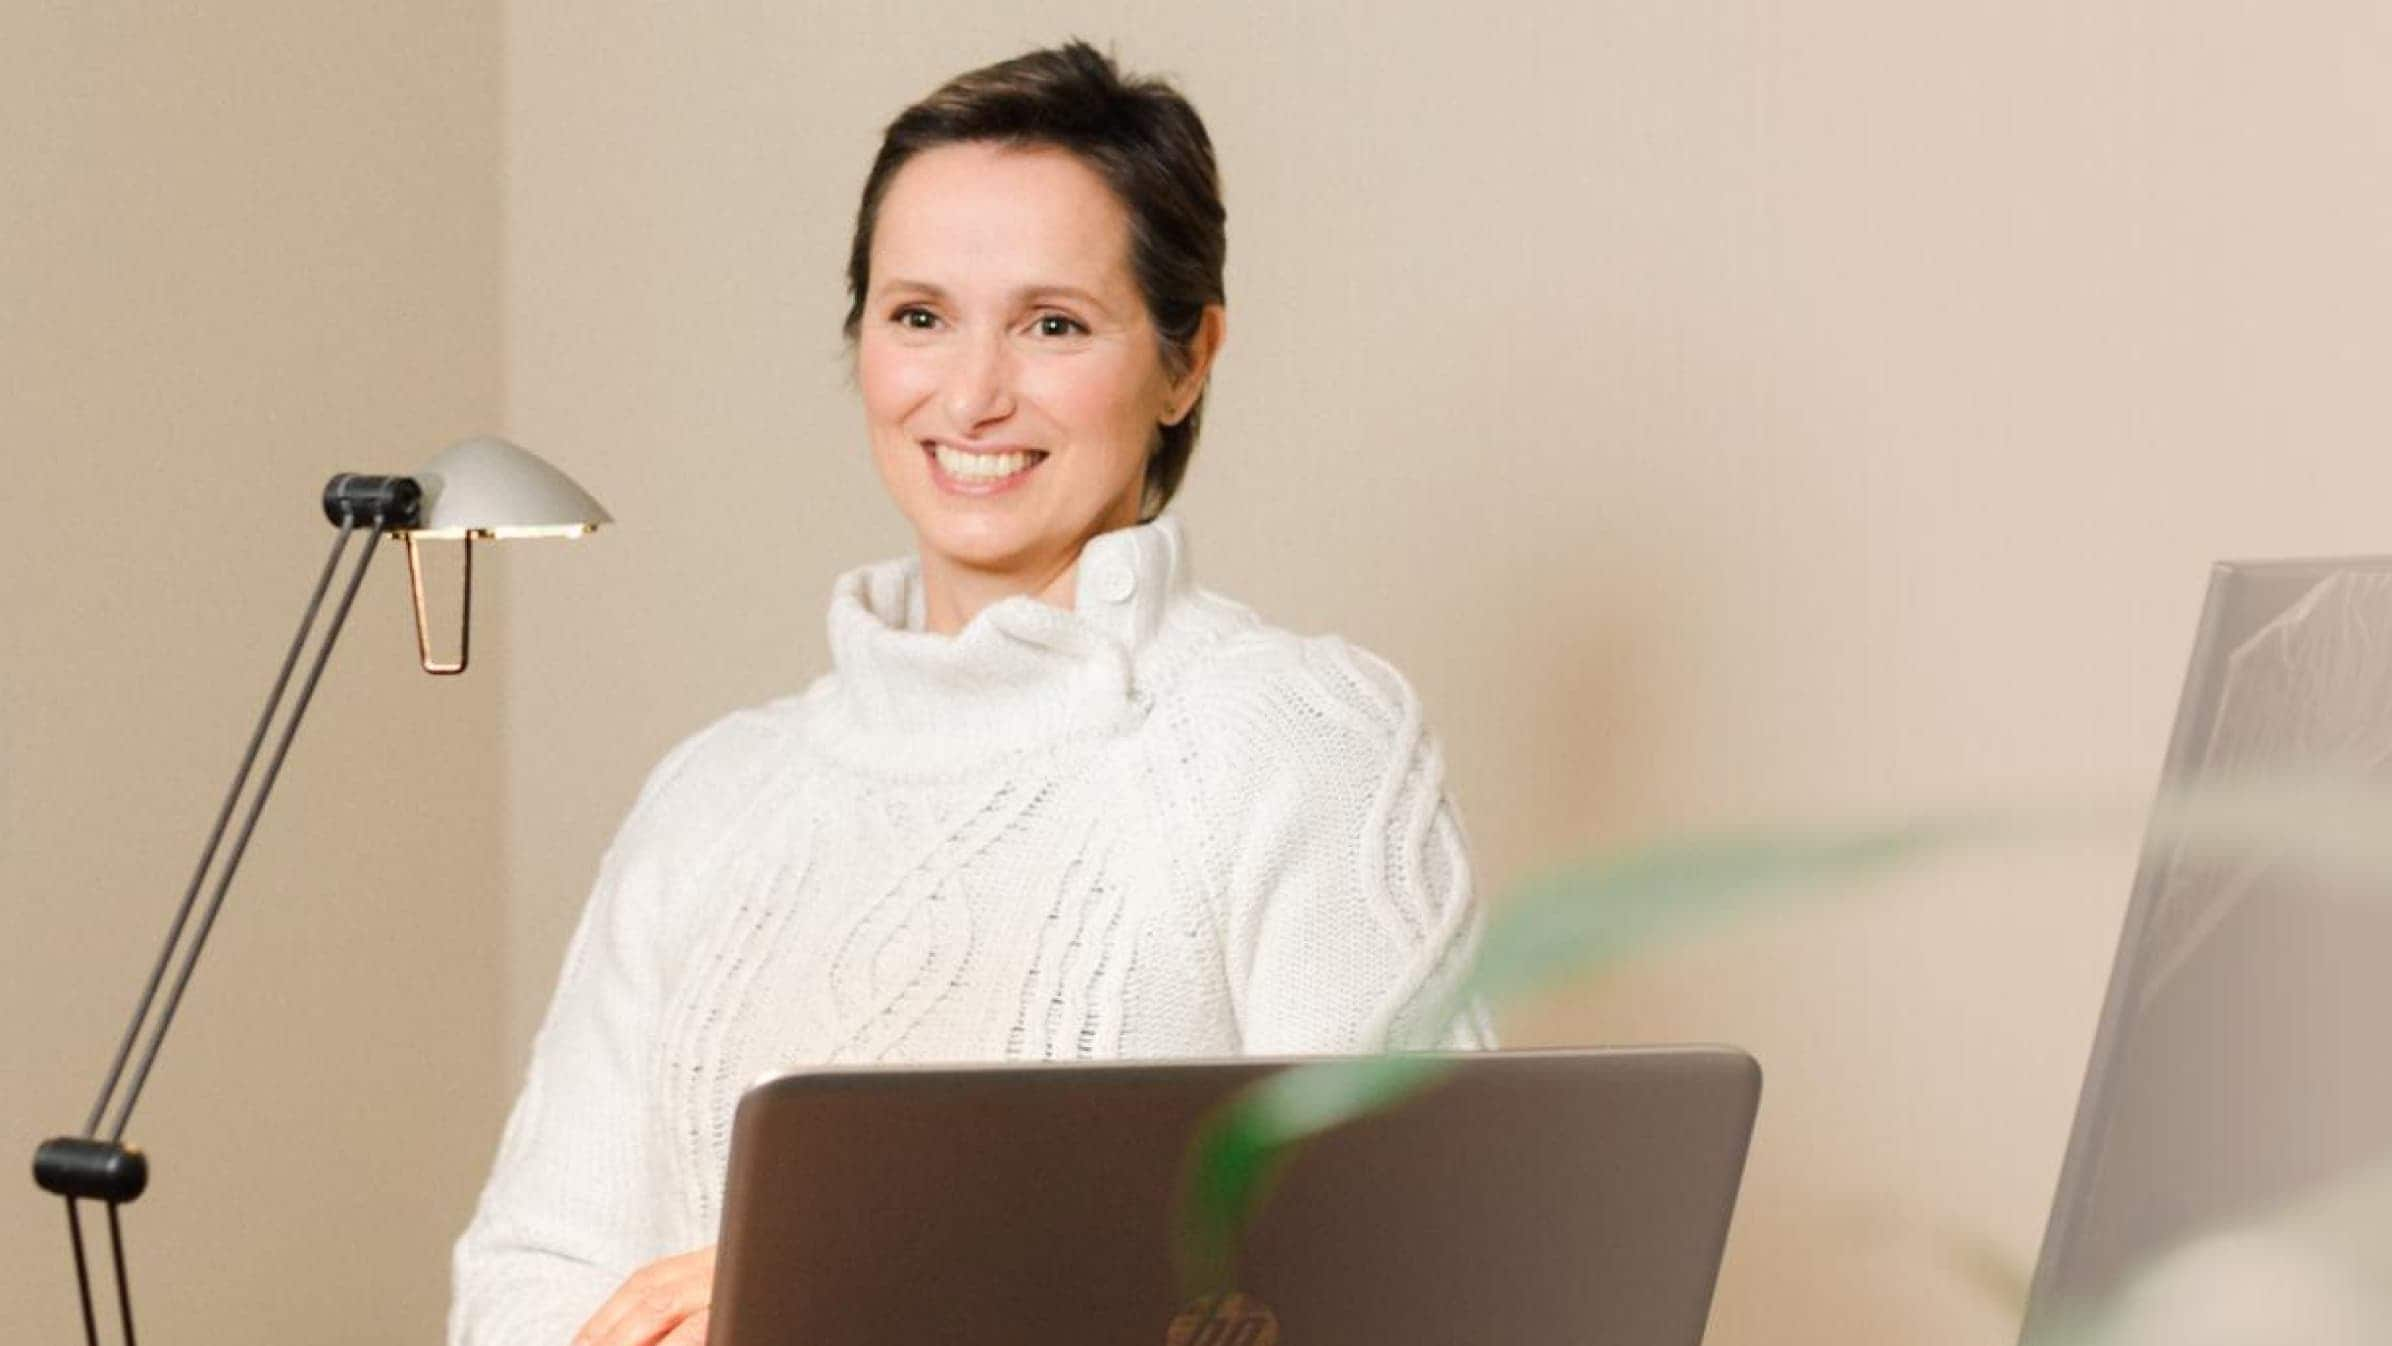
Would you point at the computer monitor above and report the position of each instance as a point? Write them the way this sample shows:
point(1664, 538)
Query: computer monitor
point(2241, 1076)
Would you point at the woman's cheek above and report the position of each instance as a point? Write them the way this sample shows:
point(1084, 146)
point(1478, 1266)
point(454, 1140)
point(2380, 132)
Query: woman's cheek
point(1096, 399)
point(894, 381)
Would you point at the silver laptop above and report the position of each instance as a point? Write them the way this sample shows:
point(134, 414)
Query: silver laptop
point(1529, 1198)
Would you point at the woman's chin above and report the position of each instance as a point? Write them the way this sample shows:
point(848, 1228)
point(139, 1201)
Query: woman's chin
point(986, 540)
point(1016, 533)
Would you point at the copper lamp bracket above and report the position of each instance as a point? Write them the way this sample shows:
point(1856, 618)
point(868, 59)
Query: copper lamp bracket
point(423, 624)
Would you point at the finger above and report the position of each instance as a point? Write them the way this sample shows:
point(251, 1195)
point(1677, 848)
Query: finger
point(602, 1323)
point(638, 1312)
point(691, 1332)
point(652, 1300)
point(645, 1325)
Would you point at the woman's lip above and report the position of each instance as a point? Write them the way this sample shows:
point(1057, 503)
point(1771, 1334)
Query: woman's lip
point(955, 485)
point(962, 448)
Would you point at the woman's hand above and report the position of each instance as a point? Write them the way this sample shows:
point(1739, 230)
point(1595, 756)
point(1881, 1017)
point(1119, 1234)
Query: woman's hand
point(662, 1304)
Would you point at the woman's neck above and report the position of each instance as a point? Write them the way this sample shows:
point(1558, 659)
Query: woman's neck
point(953, 593)
point(956, 591)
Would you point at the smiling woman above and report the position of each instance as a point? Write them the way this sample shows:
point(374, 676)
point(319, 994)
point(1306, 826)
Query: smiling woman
point(1015, 386)
point(1052, 801)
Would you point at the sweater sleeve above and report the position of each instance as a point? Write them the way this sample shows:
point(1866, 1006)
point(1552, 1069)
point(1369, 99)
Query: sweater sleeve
point(575, 1200)
point(1351, 913)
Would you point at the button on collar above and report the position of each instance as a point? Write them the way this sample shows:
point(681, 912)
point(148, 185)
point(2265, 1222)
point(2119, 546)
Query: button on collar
point(1113, 581)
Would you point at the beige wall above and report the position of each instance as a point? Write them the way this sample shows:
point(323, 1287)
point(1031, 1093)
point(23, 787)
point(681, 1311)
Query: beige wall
point(1718, 410)
point(242, 247)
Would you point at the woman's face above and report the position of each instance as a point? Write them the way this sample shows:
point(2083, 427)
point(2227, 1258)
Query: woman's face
point(1012, 380)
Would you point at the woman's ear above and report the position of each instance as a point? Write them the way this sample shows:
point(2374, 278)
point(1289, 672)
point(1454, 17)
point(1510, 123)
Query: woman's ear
point(1211, 330)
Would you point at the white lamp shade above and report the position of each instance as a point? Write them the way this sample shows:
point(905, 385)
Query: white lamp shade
point(486, 487)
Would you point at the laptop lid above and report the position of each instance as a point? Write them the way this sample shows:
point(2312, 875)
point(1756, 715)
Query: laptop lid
point(1529, 1198)
point(2239, 1074)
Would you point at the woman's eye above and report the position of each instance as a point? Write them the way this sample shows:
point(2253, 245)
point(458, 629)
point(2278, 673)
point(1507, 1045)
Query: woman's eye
point(917, 319)
point(1056, 325)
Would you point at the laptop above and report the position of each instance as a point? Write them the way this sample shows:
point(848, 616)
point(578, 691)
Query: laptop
point(1529, 1198)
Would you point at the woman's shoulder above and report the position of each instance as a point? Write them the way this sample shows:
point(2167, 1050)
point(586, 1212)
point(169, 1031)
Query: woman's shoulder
point(1261, 691)
point(728, 760)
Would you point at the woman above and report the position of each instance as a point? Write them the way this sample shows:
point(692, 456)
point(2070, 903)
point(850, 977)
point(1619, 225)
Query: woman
point(1052, 802)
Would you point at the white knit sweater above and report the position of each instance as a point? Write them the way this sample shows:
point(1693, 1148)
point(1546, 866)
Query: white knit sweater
point(1151, 826)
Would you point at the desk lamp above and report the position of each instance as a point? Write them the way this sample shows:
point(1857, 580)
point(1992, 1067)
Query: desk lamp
point(476, 491)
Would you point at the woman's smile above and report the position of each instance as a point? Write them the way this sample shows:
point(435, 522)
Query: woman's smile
point(979, 470)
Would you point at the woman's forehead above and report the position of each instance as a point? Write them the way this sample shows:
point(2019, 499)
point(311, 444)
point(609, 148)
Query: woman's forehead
point(979, 217)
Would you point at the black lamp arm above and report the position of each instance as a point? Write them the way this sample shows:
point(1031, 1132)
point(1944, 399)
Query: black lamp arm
point(90, 1166)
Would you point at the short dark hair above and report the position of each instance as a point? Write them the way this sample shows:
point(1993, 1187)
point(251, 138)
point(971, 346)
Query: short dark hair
point(1148, 145)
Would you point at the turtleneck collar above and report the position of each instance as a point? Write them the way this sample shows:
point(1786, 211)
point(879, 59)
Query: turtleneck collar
point(1023, 672)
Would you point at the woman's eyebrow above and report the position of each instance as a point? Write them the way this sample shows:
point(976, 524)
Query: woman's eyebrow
point(1028, 294)
point(1073, 293)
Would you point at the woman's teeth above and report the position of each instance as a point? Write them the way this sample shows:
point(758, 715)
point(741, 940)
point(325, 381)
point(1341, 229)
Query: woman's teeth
point(982, 466)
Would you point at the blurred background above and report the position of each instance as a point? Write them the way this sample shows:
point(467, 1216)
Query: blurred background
point(1719, 411)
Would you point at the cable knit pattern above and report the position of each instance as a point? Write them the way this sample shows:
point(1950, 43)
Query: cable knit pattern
point(1150, 826)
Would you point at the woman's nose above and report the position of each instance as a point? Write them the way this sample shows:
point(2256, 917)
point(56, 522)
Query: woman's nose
point(979, 385)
